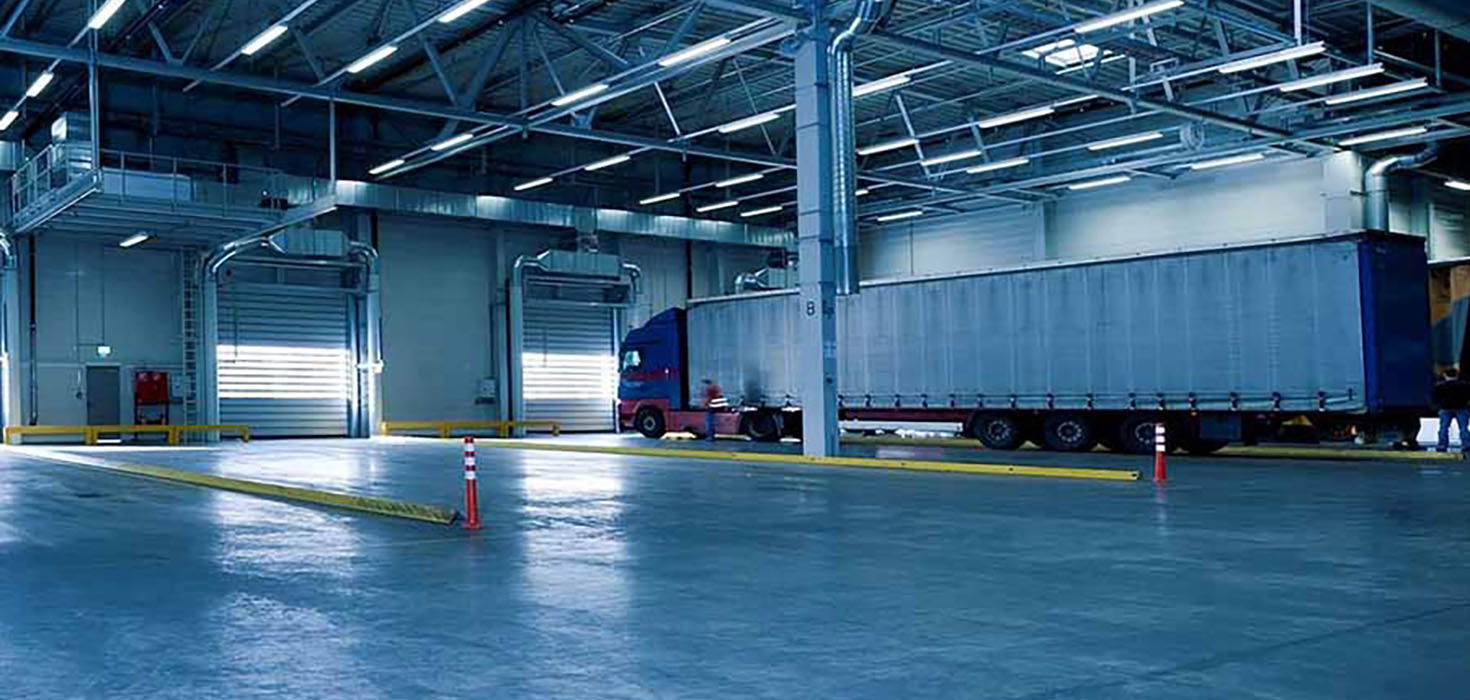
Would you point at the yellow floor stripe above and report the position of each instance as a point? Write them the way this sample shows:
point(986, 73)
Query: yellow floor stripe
point(1265, 451)
point(366, 504)
point(1340, 453)
point(865, 462)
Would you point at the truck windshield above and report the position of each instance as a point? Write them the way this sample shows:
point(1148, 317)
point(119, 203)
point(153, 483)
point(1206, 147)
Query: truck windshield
point(632, 359)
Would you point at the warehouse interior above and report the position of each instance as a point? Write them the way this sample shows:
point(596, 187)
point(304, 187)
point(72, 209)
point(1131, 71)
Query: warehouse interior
point(1055, 348)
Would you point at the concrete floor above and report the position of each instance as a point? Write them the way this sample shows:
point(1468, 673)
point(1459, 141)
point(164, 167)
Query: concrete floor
point(616, 577)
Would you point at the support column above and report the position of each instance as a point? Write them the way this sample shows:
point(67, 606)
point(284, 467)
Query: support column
point(816, 226)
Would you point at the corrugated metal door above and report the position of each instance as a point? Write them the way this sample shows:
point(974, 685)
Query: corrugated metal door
point(570, 365)
point(285, 360)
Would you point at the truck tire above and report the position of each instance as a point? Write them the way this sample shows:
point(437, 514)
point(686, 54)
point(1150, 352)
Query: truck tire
point(1136, 434)
point(998, 431)
point(1068, 432)
point(763, 426)
point(649, 421)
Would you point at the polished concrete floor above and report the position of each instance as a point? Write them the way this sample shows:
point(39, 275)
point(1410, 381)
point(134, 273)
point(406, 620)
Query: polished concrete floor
point(605, 576)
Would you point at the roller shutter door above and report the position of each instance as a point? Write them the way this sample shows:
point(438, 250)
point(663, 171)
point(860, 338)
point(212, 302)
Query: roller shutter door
point(569, 361)
point(285, 360)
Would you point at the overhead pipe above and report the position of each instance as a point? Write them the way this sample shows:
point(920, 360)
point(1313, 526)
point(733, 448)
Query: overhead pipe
point(517, 303)
point(9, 332)
point(1375, 184)
point(844, 162)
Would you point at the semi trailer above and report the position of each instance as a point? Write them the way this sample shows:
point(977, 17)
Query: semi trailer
point(1221, 345)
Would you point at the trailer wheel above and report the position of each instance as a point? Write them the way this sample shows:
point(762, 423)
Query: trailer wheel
point(763, 426)
point(1136, 434)
point(1067, 432)
point(650, 422)
point(998, 431)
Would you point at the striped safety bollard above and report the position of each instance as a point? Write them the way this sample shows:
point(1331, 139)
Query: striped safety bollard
point(1161, 450)
point(471, 488)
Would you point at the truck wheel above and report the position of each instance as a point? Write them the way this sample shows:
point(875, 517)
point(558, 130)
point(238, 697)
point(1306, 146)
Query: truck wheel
point(1067, 432)
point(998, 431)
point(763, 427)
point(650, 422)
point(1136, 434)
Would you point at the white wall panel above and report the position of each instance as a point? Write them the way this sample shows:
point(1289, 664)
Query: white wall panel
point(91, 293)
point(1230, 205)
point(436, 297)
point(993, 238)
point(1449, 226)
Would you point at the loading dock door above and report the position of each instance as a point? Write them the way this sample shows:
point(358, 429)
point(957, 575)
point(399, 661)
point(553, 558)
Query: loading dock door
point(285, 360)
point(569, 361)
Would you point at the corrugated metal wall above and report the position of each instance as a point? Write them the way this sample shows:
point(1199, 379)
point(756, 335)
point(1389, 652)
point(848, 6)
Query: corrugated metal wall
point(1252, 321)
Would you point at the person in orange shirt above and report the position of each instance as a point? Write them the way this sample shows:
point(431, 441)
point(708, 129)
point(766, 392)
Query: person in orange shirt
point(713, 399)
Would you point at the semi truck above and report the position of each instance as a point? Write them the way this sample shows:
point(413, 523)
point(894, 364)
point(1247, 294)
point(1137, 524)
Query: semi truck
point(1221, 345)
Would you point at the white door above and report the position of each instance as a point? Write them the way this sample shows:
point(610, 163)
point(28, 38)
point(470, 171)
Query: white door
point(285, 360)
point(569, 361)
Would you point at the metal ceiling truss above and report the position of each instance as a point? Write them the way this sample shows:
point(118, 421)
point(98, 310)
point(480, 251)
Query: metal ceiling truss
point(978, 87)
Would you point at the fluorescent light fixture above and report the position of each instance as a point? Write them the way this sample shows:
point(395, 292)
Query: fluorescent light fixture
point(385, 167)
point(1065, 53)
point(378, 54)
point(899, 216)
point(1125, 16)
point(886, 146)
point(658, 198)
point(862, 192)
point(717, 206)
point(8, 119)
point(746, 123)
point(608, 162)
point(1380, 91)
point(1125, 141)
point(695, 51)
point(1458, 185)
point(460, 10)
point(1013, 117)
point(1224, 162)
point(105, 351)
point(1093, 184)
point(533, 183)
point(882, 84)
point(451, 142)
point(998, 165)
point(1074, 101)
point(134, 239)
point(739, 180)
point(104, 13)
point(1255, 62)
point(951, 157)
point(1333, 77)
point(40, 83)
point(761, 212)
point(262, 39)
point(1384, 136)
point(579, 95)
